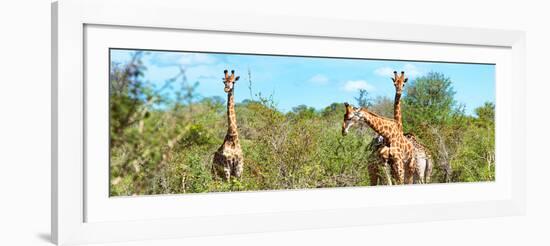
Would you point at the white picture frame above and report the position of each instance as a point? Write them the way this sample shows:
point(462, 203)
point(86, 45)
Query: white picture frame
point(83, 213)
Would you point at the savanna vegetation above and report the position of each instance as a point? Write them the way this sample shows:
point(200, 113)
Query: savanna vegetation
point(162, 144)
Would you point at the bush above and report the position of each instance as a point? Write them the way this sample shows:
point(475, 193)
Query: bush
point(163, 145)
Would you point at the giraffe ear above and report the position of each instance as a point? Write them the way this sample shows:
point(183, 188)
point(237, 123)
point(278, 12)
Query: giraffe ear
point(237, 78)
point(393, 79)
point(406, 79)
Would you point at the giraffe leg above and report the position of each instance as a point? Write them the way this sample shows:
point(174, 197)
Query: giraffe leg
point(420, 174)
point(410, 170)
point(220, 169)
point(238, 168)
point(217, 167)
point(387, 171)
point(226, 172)
point(397, 165)
point(213, 171)
point(384, 154)
point(428, 171)
point(373, 173)
point(399, 171)
point(221, 172)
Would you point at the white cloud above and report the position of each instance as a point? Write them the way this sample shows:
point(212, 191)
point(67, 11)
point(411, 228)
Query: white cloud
point(197, 59)
point(355, 85)
point(204, 73)
point(165, 59)
point(411, 71)
point(319, 79)
point(384, 71)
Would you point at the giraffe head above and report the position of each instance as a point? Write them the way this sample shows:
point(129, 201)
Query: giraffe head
point(399, 81)
point(352, 116)
point(229, 80)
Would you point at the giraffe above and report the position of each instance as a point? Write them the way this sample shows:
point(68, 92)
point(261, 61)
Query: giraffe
point(400, 150)
point(228, 159)
point(398, 82)
point(423, 159)
point(423, 167)
point(381, 146)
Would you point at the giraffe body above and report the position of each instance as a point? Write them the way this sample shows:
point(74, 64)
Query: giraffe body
point(228, 159)
point(424, 161)
point(378, 165)
point(400, 151)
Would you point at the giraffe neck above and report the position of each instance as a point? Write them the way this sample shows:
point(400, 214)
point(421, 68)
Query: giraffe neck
point(397, 111)
point(231, 117)
point(383, 126)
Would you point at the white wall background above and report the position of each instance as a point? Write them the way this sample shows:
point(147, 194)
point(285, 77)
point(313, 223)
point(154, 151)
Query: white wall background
point(25, 122)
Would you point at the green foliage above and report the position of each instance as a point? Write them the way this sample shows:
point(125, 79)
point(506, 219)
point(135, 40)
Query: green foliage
point(431, 112)
point(475, 159)
point(164, 144)
point(363, 99)
point(430, 100)
point(303, 111)
point(383, 106)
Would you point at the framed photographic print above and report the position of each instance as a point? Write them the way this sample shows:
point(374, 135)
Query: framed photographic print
point(170, 126)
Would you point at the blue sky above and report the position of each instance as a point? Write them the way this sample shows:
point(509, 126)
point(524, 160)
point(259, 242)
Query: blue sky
point(316, 82)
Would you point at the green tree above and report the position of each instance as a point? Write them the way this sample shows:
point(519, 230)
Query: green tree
point(363, 100)
point(163, 136)
point(486, 113)
point(475, 160)
point(383, 106)
point(303, 111)
point(430, 99)
point(431, 112)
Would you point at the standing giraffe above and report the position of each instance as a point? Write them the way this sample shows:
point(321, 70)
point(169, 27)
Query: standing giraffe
point(380, 145)
point(400, 150)
point(228, 159)
point(423, 168)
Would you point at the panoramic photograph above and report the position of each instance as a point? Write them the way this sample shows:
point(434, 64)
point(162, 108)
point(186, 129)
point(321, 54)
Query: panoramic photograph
point(196, 122)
